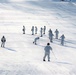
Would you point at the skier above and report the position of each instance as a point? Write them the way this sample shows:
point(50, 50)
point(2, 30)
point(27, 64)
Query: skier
point(3, 40)
point(47, 51)
point(32, 30)
point(36, 30)
point(44, 29)
point(56, 32)
point(41, 32)
point(23, 29)
point(51, 35)
point(35, 40)
point(50, 32)
point(62, 39)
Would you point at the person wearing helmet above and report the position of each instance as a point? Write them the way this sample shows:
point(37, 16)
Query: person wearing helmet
point(47, 51)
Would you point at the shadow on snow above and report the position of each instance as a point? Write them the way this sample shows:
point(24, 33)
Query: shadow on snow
point(63, 63)
point(10, 49)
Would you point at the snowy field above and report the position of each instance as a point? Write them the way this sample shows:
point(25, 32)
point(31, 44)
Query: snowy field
point(20, 56)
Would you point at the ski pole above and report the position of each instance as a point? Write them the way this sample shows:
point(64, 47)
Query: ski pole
point(54, 55)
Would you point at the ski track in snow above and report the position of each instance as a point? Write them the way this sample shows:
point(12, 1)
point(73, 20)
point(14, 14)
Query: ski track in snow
point(21, 56)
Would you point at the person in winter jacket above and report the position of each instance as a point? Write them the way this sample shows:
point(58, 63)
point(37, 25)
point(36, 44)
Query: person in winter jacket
point(62, 39)
point(35, 40)
point(47, 52)
point(56, 33)
point(51, 35)
point(50, 32)
point(3, 40)
point(44, 29)
point(32, 30)
point(41, 32)
point(36, 30)
point(23, 29)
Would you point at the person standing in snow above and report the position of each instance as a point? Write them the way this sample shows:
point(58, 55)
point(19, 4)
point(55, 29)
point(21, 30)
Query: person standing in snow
point(35, 40)
point(36, 29)
point(62, 39)
point(32, 30)
point(41, 32)
point(3, 40)
point(50, 32)
point(23, 29)
point(47, 52)
point(44, 29)
point(51, 35)
point(56, 33)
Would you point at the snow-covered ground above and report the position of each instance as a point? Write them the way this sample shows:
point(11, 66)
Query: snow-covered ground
point(21, 56)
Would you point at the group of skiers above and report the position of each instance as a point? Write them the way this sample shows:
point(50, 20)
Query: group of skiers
point(56, 36)
point(42, 32)
point(34, 30)
point(50, 34)
point(47, 48)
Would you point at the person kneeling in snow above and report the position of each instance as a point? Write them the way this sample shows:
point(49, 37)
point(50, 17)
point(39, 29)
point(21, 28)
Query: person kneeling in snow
point(47, 51)
point(3, 40)
point(35, 40)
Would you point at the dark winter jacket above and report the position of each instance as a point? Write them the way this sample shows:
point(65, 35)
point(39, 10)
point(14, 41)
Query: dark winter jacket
point(47, 49)
point(3, 39)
